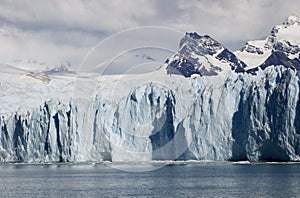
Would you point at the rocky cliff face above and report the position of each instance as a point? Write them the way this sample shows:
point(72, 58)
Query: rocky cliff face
point(204, 56)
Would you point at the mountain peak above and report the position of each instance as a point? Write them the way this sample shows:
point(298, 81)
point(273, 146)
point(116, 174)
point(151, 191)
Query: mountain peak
point(292, 20)
point(202, 55)
point(193, 35)
point(292, 23)
point(282, 47)
point(201, 45)
point(196, 36)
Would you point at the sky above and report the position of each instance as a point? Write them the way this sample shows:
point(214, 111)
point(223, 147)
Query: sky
point(58, 31)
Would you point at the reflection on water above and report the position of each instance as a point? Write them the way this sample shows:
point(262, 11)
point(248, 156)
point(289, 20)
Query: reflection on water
point(197, 180)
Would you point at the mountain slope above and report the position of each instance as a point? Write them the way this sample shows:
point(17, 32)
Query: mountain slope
point(204, 56)
point(283, 43)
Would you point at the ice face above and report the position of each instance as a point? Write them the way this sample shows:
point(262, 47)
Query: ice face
point(237, 117)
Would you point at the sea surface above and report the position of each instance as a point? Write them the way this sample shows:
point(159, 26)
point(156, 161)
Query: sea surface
point(169, 180)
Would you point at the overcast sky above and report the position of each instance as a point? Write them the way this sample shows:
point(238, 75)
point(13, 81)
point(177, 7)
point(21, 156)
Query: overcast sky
point(55, 31)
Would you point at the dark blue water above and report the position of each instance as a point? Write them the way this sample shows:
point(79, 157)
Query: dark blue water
point(194, 180)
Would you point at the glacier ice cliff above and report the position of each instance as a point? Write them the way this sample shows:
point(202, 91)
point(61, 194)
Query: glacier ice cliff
point(238, 117)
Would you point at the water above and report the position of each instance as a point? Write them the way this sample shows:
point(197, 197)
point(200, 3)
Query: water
point(181, 180)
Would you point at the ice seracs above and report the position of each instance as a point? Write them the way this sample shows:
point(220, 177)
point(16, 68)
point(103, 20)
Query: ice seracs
point(237, 117)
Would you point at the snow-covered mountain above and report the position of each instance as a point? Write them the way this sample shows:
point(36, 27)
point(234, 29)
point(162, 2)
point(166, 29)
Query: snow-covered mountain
point(204, 56)
point(222, 114)
point(282, 47)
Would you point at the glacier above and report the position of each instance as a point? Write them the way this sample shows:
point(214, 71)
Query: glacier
point(237, 117)
point(204, 103)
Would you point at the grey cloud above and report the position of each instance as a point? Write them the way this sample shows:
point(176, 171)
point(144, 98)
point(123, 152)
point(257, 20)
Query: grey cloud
point(72, 27)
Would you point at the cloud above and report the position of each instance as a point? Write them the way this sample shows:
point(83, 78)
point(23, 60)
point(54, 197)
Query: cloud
point(56, 31)
point(75, 14)
point(234, 20)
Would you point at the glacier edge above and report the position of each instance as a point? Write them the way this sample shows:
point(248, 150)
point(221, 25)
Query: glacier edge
point(238, 117)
